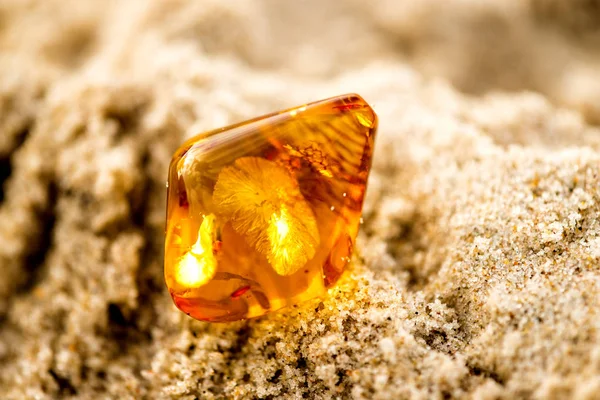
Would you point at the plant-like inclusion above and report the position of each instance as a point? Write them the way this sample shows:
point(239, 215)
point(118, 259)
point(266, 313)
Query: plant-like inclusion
point(265, 206)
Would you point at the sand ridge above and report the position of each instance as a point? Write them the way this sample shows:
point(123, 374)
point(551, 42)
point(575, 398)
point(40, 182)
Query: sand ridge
point(476, 272)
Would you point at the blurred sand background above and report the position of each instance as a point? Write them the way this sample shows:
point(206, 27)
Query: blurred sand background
point(477, 273)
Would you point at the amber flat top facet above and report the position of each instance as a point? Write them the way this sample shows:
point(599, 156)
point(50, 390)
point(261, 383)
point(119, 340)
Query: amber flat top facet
point(264, 214)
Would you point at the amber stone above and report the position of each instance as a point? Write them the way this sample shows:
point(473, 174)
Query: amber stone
point(263, 214)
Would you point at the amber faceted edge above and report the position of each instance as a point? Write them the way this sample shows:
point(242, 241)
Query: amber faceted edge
point(351, 98)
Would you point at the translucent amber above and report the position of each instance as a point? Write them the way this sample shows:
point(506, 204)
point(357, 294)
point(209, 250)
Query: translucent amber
point(263, 214)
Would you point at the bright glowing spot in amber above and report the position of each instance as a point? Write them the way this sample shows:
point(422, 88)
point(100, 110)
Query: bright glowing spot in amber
point(326, 173)
point(364, 119)
point(281, 224)
point(198, 265)
point(193, 271)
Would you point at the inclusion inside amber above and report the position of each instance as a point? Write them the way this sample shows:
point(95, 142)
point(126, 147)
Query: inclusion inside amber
point(264, 214)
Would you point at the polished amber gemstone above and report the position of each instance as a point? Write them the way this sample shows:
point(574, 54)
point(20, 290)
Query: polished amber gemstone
point(263, 214)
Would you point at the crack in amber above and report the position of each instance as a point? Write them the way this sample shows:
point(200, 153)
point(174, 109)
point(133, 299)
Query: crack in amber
point(263, 214)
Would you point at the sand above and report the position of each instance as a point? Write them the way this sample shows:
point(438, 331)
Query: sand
point(477, 268)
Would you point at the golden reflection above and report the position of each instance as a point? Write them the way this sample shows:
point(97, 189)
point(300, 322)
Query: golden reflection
point(281, 224)
point(198, 266)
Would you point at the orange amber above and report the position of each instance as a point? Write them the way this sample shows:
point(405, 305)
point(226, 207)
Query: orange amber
point(264, 214)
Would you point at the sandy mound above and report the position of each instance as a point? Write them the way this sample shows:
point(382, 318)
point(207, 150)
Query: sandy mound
point(477, 273)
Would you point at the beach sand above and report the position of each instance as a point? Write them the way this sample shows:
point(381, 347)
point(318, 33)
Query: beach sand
point(477, 268)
